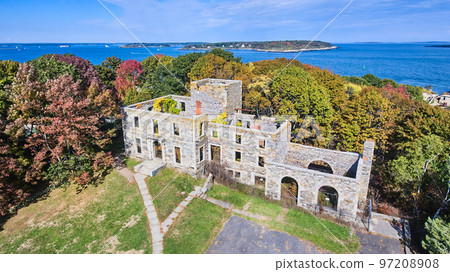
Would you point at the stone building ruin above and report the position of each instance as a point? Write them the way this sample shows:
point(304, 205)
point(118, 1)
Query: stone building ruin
point(254, 150)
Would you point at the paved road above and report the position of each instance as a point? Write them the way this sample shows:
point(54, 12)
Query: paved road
point(376, 244)
point(240, 236)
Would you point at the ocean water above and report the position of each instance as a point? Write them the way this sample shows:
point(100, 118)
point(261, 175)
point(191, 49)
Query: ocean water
point(412, 63)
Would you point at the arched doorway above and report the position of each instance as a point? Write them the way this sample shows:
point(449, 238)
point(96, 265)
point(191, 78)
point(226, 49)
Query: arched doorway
point(320, 166)
point(289, 192)
point(328, 198)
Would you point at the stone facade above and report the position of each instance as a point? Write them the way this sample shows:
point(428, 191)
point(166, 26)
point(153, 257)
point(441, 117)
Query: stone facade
point(250, 148)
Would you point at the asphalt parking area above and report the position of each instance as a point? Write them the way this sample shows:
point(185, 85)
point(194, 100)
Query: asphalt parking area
point(240, 236)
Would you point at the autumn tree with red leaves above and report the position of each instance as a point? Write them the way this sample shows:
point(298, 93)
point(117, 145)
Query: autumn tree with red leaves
point(61, 123)
point(128, 77)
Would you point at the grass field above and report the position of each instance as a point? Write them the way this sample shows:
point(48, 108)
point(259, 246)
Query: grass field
point(195, 229)
point(103, 219)
point(166, 199)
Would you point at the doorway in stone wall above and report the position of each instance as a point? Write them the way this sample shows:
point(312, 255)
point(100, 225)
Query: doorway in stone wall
point(157, 149)
point(289, 192)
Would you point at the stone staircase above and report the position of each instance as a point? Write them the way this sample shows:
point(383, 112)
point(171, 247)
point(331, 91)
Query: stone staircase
point(150, 167)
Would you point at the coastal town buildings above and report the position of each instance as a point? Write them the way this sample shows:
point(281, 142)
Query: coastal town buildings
point(209, 125)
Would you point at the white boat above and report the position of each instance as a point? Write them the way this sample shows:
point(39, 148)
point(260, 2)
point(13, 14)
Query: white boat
point(64, 46)
point(107, 46)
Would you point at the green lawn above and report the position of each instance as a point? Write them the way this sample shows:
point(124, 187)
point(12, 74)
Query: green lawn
point(262, 207)
point(103, 219)
point(166, 200)
point(195, 229)
point(131, 163)
point(224, 193)
point(297, 223)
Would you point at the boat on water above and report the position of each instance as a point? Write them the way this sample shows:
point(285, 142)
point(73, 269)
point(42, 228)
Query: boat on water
point(107, 46)
point(64, 46)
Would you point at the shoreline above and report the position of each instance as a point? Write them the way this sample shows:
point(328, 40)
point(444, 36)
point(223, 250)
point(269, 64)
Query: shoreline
point(266, 50)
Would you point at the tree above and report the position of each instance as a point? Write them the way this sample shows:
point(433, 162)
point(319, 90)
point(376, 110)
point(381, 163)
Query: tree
point(8, 70)
point(48, 67)
point(226, 55)
point(368, 115)
point(415, 92)
point(128, 77)
point(85, 70)
point(436, 241)
point(296, 92)
point(257, 97)
point(372, 80)
point(107, 71)
point(59, 122)
point(412, 173)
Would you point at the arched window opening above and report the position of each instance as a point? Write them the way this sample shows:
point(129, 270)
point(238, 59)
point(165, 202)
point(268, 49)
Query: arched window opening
point(328, 197)
point(289, 192)
point(320, 166)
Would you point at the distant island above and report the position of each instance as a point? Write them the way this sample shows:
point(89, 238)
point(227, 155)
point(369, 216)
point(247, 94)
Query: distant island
point(268, 46)
point(439, 45)
point(141, 45)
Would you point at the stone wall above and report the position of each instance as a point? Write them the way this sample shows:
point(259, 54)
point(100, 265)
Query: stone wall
point(342, 163)
point(309, 182)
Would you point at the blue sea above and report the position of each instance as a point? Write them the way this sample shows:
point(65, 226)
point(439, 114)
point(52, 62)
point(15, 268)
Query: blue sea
point(412, 63)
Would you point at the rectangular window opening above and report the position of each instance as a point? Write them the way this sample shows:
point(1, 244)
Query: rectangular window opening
point(177, 154)
point(176, 129)
point(136, 121)
point(237, 174)
point(215, 153)
point(238, 138)
point(237, 156)
point(155, 127)
point(182, 106)
point(260, 161)
point(215, 134)
point(138, 146)
point(201, 153)
point(262, 143)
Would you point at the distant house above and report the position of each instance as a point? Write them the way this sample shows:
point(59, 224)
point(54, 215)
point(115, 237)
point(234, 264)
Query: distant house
point(444, 100)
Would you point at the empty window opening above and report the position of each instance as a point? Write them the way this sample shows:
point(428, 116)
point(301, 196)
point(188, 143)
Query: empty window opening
point(157, 148)
point(238, 138)
point(155, 127)
point(237, 174)
point(201, 129)
point(237, 156)
point(289, 192)
point(248, 124)
point(320, 166)
point(177, 155)
point(328, 197)
point(215, 134)
point(230, 173)
point(182, 106)
point(138, 146)
point(262, 143)
point(239, 123)
point(215, 153)
point(260, 182)
point(176, 129)
point(136, 121)
point(201, 153)
point(260, 161)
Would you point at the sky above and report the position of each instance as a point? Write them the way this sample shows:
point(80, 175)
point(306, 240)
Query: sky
point(72, 21)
